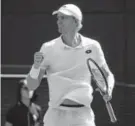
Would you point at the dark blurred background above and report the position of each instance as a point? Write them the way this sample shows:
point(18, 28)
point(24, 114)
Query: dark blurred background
point(26, 24)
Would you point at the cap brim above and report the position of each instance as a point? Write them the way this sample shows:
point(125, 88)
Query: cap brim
point(65, 12)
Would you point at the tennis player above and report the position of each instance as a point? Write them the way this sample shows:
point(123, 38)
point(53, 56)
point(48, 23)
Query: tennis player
point(64, 60)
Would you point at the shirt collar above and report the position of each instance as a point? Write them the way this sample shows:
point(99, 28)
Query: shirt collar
point(69, 47)
point(22, 104)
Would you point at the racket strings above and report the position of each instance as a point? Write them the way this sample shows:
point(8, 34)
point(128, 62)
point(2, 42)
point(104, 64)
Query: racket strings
point(98, 77)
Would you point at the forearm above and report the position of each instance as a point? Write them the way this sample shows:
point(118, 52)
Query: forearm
point(32, 84)
point(111, 82)
point(34, 78)
point(110, 78)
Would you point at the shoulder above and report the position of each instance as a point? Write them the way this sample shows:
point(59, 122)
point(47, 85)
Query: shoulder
point(12, 108)
point(51, 43)
point(89, 42)
point(11, 111)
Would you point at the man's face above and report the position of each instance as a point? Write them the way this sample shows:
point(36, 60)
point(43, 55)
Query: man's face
point(65, 23)
point(26, 93)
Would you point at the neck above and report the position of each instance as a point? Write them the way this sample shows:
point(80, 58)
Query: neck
point(71, 39)
point(26, 101)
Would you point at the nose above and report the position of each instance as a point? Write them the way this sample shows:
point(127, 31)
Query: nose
point(59, 21)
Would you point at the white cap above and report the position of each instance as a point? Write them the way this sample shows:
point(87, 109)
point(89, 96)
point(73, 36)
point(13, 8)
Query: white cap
point(70, 10)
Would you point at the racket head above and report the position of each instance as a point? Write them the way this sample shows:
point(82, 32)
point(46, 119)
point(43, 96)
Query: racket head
point(98, 75)
point(102, 84)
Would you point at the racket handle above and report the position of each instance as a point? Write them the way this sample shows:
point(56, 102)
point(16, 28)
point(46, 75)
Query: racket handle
point(111, 112)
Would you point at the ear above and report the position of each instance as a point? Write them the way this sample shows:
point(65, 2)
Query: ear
point(77, 23)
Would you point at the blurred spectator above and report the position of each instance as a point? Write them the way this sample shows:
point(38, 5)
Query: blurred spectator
point(25, 112)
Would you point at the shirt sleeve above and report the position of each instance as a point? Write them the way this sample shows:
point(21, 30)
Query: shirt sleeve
point(98, 54)
point(100, 60)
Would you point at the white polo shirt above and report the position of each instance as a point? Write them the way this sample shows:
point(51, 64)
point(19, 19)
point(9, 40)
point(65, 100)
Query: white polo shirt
point(67, 72)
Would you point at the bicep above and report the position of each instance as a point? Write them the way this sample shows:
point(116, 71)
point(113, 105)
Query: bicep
point(109, 75)
point(8, 124)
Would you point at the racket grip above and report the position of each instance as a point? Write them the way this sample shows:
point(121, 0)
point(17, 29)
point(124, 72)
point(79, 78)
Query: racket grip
point(111, 112)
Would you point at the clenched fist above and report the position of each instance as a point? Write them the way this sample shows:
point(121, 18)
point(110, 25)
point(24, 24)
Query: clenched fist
point(38, 59)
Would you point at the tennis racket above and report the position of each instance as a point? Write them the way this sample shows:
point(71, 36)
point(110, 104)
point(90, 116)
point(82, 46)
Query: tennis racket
point(101, 84)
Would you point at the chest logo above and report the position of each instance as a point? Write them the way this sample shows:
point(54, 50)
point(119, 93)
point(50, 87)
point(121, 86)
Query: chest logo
point(88, 51)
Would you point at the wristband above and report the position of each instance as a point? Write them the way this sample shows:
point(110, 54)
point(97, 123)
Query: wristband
point(34, 73)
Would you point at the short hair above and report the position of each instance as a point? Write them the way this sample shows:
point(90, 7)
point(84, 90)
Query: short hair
point(19, 95)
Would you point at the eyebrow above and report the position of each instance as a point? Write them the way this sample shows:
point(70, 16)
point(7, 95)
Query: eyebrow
point(24, 87)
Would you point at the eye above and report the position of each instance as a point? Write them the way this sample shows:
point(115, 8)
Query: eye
point(24, 88)
point(62, 17)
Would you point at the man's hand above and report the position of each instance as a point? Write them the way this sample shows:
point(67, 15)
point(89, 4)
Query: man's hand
point(106, 97)
point(38, 58)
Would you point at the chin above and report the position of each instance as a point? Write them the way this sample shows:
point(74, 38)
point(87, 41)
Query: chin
point(60, 31)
